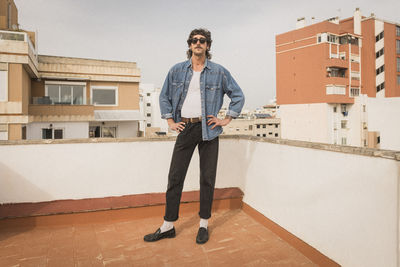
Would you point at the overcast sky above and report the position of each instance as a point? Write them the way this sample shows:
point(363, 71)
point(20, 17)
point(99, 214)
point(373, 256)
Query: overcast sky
point(153, 33)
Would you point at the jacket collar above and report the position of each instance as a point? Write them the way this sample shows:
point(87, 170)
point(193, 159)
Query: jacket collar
point(189, 63)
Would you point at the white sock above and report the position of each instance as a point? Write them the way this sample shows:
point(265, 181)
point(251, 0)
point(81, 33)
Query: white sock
point(204, 223)
point(166, 226)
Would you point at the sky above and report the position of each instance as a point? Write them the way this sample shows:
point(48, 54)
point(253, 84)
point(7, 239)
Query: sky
point(153, 33)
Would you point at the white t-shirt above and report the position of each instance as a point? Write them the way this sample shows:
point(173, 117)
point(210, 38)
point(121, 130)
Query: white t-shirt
point(192, 106)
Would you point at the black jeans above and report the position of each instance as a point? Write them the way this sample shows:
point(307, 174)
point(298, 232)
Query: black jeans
point(185, 144)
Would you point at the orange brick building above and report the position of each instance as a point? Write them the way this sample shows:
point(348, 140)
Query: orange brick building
point(327, 72)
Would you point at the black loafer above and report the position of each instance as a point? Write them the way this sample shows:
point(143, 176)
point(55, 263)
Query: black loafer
point(202, 236)
point(158, 235)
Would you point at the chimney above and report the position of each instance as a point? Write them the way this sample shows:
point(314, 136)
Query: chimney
point(357, 21)
point(301, 23)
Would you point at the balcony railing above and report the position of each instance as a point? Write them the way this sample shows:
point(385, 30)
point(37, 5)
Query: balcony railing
point(18, 36)
point(12, 36)
point(46, 100)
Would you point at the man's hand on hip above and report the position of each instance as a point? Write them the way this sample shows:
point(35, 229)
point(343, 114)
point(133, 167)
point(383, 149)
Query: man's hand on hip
point(177, 127)
point(218, 122)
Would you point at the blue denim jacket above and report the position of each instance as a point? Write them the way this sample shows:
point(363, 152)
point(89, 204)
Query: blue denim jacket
point(215, 81)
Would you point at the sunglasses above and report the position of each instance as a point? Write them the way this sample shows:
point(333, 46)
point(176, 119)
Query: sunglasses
point(195, 40)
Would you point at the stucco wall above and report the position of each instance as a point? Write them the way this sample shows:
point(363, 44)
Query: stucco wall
point(344, 202)
point(307, 122)
point(383, 117)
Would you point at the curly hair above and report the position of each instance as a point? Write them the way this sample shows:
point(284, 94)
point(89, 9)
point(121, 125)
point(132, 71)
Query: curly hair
point(201, 31)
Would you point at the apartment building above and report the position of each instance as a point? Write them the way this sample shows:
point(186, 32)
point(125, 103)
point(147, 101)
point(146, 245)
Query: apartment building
point(153, 124)
point(253, 123)
point(50, 97)
point(334, 78)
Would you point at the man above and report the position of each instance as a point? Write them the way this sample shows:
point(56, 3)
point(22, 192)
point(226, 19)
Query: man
point(190, 100)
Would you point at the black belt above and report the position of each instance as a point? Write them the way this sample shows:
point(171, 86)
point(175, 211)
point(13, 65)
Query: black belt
point(192, 120)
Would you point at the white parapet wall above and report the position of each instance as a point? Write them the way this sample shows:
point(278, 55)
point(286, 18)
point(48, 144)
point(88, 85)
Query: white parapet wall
point(46, 172)
point(343, 201)
point(345, 205)
point(383, 117)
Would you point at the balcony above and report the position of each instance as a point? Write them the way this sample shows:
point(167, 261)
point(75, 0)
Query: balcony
point(16, 47)
point(337, 62)
point(316, 201)
point(60, 112)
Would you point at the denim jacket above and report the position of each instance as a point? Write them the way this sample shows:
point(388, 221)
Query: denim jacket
point(215, 82)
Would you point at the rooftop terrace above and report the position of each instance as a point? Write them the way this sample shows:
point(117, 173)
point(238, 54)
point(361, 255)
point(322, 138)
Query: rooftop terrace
point(278, 203)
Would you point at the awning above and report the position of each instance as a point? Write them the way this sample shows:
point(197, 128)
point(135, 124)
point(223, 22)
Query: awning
point(118, 115)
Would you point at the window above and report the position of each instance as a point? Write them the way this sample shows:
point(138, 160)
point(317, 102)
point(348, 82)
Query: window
point(276, 125)
point(348, 39)
point(335, 109)
point(66, 93)
point(47, 134)
point(355, 75)
point(270, 133)
point(333, 38)
point(379, 53)
point(58, 134)
point(104, 96)
point(344, 140)
point(397, 30)
point(398, 46)
point(319, 38)
point(148, 104)
point(148, 94)
point(264, 126)
point(398, 64)
point(149, 125)
point(354, 92)
point(109, 132)
point(336, 72)
point(364, 108)
point(380, 87)
point(102, 131)
point(343, 107)
point(335, 90)
point(264, 135)
point(343, 124)
point(258, 126)
point(148, 114)
point(276, 135)
point(24, 132)
point(3, 85)
point(258, 134)
point(380, 69)
point(51, 133)
point(378, 140)
point(379, 36)
point(250, 127)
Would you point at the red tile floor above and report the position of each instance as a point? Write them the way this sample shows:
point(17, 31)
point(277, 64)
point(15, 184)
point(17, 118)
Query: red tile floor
point(236, 239)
